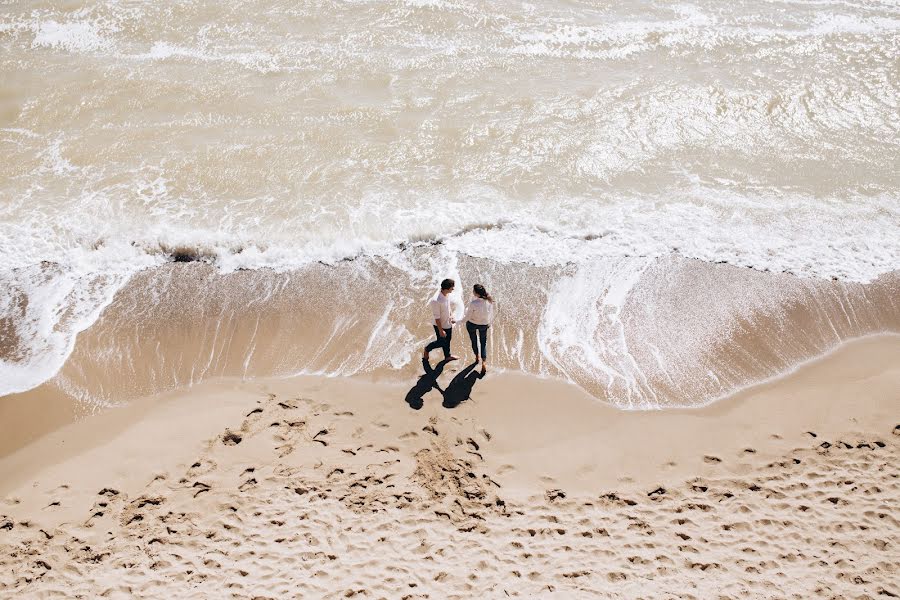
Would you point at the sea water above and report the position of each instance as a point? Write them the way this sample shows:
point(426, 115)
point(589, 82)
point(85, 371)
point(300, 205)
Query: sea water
point(670, 201)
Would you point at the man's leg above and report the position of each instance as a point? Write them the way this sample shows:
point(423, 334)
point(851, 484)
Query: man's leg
point(447, 338)
point(437, 343)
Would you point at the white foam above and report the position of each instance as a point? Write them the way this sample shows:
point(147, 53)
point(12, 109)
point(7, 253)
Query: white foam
point(582, 334)
point(74, 36)
point(48, 305)
point(258, 61)
point(54, 161)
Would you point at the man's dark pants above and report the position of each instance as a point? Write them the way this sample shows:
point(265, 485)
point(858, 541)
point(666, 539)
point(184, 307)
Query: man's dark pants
point(441, 342)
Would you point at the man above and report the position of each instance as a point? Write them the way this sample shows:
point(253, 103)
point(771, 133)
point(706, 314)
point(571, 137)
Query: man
point(443, 321)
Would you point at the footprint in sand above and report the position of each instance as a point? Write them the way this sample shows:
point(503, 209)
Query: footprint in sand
point(231, 438)
point(200, 487)
point(659, 491)
point(249, 483)
point(201, 467)
point(554, 494)
point(148, 501)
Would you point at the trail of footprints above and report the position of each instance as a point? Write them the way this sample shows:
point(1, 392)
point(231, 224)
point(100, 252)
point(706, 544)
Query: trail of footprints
point(424, 519)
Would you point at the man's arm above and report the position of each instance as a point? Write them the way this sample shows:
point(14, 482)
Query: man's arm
point(446, 310)
point(436, 313)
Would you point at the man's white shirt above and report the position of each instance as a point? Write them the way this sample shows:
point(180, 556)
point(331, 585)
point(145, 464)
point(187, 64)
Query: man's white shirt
point(440, 310)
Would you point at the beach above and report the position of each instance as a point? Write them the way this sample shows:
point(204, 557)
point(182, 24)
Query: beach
point(324, 487)
point(221, 227)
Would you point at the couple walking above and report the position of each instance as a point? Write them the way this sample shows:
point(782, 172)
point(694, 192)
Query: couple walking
point(478, 318)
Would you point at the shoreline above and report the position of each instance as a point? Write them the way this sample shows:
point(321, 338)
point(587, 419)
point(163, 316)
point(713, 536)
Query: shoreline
point(665, 332)
point(59, 410)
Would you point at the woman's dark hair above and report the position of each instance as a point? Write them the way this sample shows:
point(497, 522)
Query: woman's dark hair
point(481, 292)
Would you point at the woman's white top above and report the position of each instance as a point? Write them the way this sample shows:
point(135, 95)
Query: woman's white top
point(480, 312)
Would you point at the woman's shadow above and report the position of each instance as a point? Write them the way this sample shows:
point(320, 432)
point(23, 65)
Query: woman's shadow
point(459, 389)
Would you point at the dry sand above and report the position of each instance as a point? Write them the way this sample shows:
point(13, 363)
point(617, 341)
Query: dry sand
point(314, 487)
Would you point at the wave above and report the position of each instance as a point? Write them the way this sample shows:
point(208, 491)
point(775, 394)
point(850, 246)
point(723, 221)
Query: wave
point(45, 305)
point(638, 333)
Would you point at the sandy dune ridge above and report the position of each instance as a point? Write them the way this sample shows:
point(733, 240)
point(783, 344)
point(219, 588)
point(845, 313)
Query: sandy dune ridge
point(303, 498)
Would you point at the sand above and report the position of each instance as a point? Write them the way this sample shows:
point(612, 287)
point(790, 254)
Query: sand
point(313, 487)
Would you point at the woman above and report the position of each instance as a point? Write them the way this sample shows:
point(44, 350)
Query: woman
point(479, 316)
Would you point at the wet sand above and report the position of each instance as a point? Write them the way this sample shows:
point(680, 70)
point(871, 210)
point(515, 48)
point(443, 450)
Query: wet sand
point(336, 487)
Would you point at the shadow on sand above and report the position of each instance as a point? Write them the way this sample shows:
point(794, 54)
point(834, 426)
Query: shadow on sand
point(426, 383)
point(459, 389)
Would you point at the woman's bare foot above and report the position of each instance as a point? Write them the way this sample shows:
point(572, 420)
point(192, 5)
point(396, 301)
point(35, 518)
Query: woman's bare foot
point(453, 357)
point(483, 367)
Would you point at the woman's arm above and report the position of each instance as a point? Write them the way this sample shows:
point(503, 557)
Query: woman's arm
point(467, 314)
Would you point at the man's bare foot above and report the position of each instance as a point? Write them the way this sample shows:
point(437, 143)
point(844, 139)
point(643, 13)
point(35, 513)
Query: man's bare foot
point(483, 367)
point(452, 357)
point(425, 354)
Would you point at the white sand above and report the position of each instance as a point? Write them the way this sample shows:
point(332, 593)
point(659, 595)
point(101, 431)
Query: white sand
point(335, 488)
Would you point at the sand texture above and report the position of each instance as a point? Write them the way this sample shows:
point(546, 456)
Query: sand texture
point(336, 489)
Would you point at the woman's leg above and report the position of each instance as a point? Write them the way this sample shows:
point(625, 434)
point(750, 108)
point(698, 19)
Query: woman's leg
point(473, 330)
point(482, 333)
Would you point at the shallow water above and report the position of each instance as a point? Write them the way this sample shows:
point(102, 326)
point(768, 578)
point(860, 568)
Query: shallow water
point(590, 164)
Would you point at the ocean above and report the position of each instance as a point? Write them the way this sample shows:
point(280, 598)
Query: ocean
point(669, 201)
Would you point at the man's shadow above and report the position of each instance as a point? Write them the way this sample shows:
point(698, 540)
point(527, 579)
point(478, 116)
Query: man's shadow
point(426, 383)
point(459, 389)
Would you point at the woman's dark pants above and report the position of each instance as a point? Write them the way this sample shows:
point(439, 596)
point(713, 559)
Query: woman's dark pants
point(477, 332)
